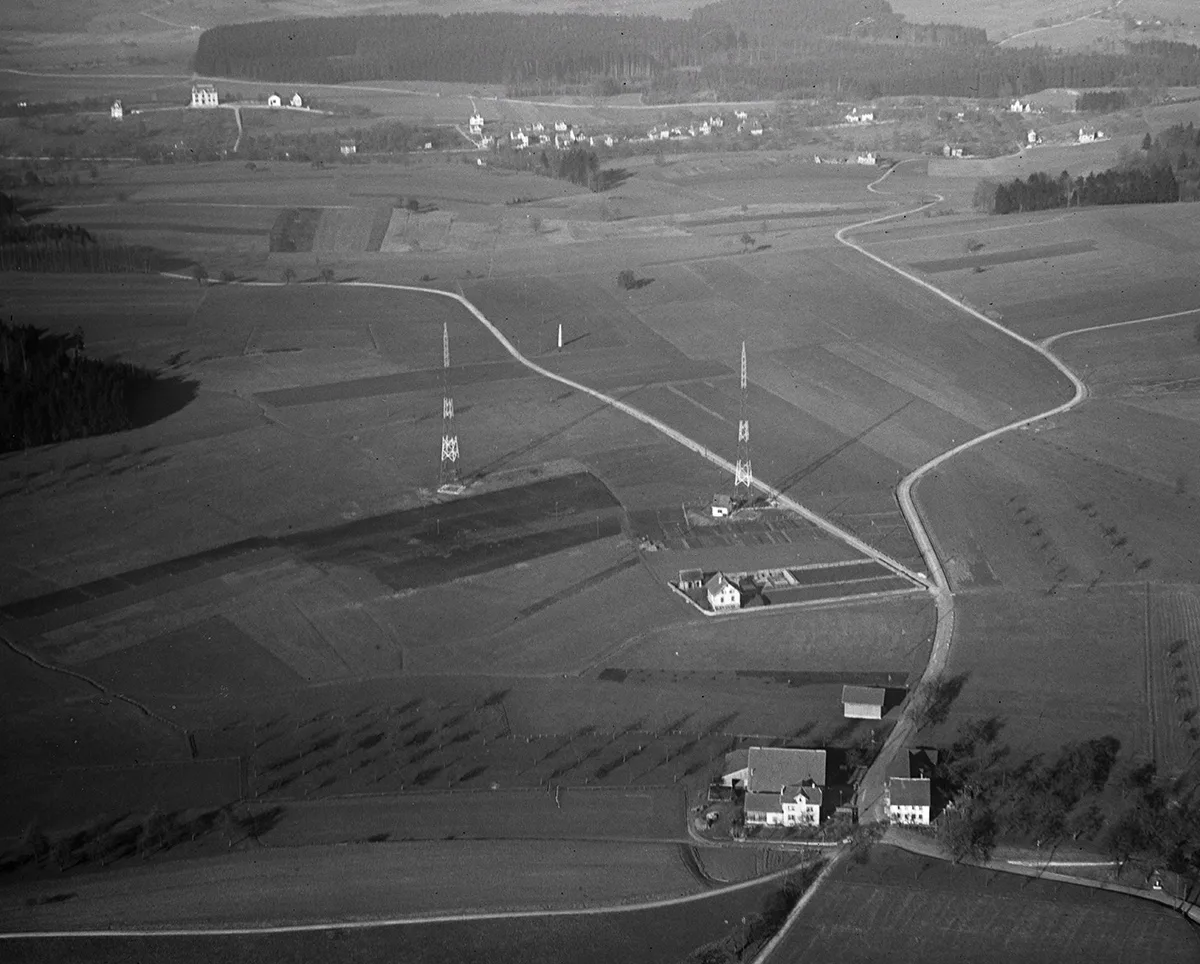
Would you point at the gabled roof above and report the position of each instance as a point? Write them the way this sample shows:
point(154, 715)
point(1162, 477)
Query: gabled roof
point(723, 500)
point(867, 695)
point(907, 792)
point(773, 768)
point(812, 795)
point(764, 803)
point(736, 760)
point(717, 582)
point(912, 762)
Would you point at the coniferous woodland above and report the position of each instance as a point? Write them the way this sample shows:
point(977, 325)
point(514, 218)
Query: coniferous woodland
point(1168, 169)
point(63, 247)
point(732, 47)
point(51, 392)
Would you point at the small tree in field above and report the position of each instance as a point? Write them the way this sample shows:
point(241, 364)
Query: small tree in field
point(327, 275)
point(747, 240)
point(626, 279)
point(289, 275)
point(200, 273)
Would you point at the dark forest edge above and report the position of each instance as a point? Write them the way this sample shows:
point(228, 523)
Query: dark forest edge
point(51, 392)
point(1166, 170)
point(732, 49)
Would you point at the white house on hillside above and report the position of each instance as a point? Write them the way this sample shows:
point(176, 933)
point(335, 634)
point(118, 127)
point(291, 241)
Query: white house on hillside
point(1017, 107)
point(863, 117)
point(869, 158)
point(723, 596)
point(117, 112)
point(1087, 135)
point(296, 101)
point(204, 95)
point(346, 146)
point(274, 100)
point(476, 123)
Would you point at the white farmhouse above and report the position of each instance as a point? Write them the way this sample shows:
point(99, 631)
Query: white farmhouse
point(909, 800)
point(476, 124)
point(870, 158)
point(1032, 138)
point(296, 101)
point(204, 95)
point(1017, 107)
point(784, 787)
point(1088, 135)
point(561, 126)
point(723, 596)
point(274, 100)
point(860, 117)
point(910, 786)
point(117, 112)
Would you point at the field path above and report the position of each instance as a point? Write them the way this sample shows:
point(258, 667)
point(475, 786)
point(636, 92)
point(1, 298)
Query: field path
point(820, 522)
point(872, 792)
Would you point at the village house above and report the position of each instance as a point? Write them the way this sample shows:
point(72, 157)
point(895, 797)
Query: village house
point(705, 129)
point(1032, 138)
point(1016, 107)
point(948, 151)
point(117, 112)
point(476, 124)
point(857, 117)
point(296, 101)
point(910, 786)
point(691, 579)
point(347, 146)
point(716, 123)
point(538, 127)
point(274, 100)
point(870, 158)
point(561, 126)
point(740, 115)
point(784, 787)
point(486, 140)
point(756, 130)
point(519, 139)
point(863, 702)
point(1088, 135)
point(204, 95)
point(723, 595)
point(722, 505)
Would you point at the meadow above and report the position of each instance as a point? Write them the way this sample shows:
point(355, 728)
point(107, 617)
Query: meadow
point(919, 909)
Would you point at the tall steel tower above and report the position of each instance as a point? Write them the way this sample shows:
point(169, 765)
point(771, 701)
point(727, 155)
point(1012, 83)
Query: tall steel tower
point(743, 477)
point(449, 477)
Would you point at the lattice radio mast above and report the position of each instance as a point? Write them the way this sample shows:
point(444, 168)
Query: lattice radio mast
point(449, 477)
point(743, 477)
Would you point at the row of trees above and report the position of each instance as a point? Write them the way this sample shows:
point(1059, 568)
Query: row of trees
point(51, 392)
point(1133, 814)
point(1046, 799)
point(735, 47)
point(1041, 192)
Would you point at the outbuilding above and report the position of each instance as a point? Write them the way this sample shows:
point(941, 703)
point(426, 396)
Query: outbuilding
point(863, 702)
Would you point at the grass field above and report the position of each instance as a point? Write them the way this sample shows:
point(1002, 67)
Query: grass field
point(917, 909)
point(659, 936)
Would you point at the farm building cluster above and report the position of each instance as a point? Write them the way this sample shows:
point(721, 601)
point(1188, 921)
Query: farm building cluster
point(791, 787)
point(722, 592)
point(782, 787)
point(561, 135)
